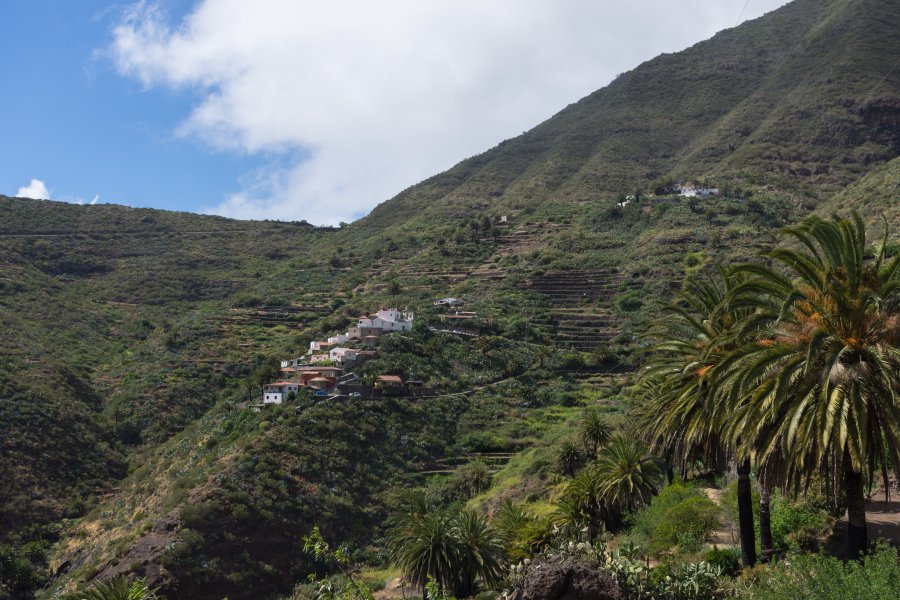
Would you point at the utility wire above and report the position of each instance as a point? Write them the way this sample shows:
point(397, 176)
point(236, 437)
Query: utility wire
point(742, 13)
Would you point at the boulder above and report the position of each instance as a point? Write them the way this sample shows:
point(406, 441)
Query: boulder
point(566, 580)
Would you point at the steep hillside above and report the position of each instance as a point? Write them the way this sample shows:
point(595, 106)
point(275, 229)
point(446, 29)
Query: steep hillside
point(802, 101)
point(130, 339)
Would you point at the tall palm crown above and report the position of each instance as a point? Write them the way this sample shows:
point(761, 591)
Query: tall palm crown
point(678, 410)
point(818, 384)
point(823, 374)
point(628, 475)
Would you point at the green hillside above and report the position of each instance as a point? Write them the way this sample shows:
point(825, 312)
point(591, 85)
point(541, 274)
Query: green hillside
point(131, 339)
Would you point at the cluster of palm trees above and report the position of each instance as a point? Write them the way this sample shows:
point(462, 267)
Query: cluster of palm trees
point(792, 366)
point(454, 547)
point(622, 477)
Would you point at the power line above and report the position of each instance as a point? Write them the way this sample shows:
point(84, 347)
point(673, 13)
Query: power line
point(742, 13)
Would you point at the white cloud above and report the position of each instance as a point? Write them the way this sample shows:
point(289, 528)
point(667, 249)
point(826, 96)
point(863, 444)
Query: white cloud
point(366, 98)
point(36, 190)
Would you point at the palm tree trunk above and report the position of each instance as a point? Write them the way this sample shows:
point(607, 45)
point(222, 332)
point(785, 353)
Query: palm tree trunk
point(670, 472)
point(765, 524)
point(745, 514)
point(857, 537)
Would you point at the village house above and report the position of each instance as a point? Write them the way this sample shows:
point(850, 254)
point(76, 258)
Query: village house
point(384, 321)
point(309, 373)
point(277, 392)
point(389, 381)
point(340, 355)
point(691, 191)
point(349, 358)
point(319, 346)
point(448, 302)
point(341, 338)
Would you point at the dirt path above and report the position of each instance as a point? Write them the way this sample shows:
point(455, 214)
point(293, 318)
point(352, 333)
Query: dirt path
point(391, 591)
point(725, 536)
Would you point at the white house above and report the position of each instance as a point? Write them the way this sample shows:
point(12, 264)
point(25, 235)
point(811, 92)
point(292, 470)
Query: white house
point(690, 191)
point(448, 302)
point(341, 338)
point(387, 319)
point(275, 393)
point(342, 355)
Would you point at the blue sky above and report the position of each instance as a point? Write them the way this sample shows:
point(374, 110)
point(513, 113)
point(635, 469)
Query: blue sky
point(71, 121)
point(293, 109)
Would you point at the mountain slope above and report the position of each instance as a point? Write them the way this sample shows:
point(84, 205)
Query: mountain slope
point(801, 100)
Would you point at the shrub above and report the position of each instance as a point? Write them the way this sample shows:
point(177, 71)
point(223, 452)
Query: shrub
point(727, 559)
point(796, 526)
point(685, 525)
point(472, 479)
point(819, 577)
point(646, 521)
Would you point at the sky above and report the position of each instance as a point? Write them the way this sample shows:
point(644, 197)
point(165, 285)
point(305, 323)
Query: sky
point(301, 109)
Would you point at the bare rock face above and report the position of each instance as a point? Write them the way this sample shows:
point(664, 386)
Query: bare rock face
point(567, 580)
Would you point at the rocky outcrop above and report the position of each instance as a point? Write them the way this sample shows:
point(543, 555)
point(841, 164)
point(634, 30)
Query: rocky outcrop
point(566, 580)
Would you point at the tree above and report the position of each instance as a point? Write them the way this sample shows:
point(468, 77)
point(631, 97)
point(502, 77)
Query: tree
point(455, 548)
point(353, 589)
point(569, 457)
point(582, 506)
point(594, 431)
point(821, 375)
point(681, 411)
point(115, 589)
point(424, 546)
point(480, 552)
point(629, 475)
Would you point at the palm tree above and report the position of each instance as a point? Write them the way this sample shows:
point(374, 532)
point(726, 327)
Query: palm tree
point(115, 589)
point(822, 375)
point(594, 431)
point(455, 548)
point(480, 552)
point(629, 476)
point(624, 478)
point(424, 546)
point(569, 457)
point(681, 411)
point(582, 506)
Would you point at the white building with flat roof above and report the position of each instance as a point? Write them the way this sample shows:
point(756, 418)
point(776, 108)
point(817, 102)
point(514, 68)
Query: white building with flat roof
point(387, 319)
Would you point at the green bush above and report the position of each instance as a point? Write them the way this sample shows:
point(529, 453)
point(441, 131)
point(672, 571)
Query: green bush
point(796, 526)
point(644, 522)
point(680, 516)
point(727, 559)
point(819, 577)
point(685, 525)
